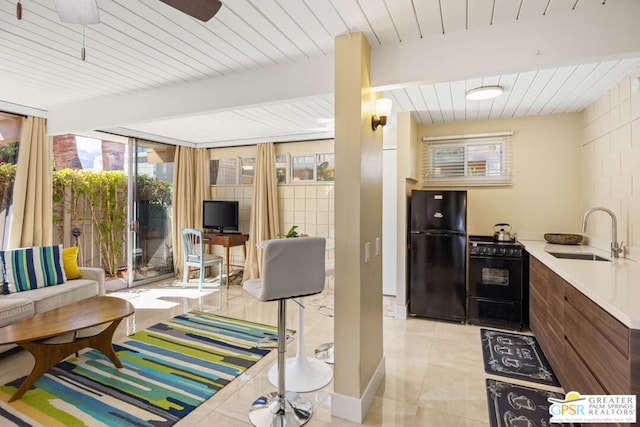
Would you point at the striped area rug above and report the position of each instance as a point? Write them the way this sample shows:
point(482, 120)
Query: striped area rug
point(168, 370)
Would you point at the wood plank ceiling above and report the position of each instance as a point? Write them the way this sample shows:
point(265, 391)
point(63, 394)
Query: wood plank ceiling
point(144, 45)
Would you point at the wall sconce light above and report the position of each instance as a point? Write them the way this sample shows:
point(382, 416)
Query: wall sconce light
point(484, 92)
point(383, 109)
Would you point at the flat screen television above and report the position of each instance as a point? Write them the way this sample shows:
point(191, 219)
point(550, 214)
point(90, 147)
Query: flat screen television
point(220, 216)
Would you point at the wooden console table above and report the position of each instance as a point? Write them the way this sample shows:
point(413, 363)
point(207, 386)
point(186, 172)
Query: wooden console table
point(227, 241)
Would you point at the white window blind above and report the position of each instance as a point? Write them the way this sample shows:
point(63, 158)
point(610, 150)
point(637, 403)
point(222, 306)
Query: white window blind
point(467, 160)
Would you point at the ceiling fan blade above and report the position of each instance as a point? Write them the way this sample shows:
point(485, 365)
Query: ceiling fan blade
point(78, 11)
point(199, 9)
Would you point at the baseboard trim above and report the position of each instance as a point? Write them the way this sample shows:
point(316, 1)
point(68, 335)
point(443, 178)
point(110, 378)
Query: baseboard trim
point(355, 409)
point(400, 312)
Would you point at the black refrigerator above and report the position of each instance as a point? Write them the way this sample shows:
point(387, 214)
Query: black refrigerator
point(438, 254)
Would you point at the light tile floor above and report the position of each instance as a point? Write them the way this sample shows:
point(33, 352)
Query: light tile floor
point(434, 370)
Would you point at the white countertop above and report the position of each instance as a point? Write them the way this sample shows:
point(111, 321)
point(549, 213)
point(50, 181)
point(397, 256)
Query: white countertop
point(614, 285)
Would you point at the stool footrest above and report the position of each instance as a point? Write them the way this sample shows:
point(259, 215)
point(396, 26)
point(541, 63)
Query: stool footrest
point(272, 342)
point(325, 310)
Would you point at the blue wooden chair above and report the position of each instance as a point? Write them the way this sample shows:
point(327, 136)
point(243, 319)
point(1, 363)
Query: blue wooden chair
point(195, 256)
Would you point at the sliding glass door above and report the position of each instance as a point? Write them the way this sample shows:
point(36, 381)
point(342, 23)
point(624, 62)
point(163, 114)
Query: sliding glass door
point(150, 190)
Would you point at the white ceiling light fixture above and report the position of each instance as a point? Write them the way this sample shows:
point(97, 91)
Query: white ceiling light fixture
point(84, 12)
point(484, 92)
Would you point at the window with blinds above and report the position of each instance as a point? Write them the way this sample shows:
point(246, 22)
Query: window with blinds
point(464, 160)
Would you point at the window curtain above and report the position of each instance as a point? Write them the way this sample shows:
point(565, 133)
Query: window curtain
point(190, 188)
point(32, 212)
point(264, 224)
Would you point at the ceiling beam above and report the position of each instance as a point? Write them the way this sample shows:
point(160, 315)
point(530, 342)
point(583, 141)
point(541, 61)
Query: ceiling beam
point(580, 36)
point(295, 80)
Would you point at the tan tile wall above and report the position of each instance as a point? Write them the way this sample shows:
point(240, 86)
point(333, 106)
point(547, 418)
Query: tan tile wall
point(309, 206)
point(610, 159)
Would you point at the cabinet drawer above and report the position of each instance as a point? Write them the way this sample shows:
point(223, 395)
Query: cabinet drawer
point(538, 276)
point(606, 363)
point(608, 326)
point(534, 323)
point(555, 299)
point(537, 305)
point(555, 353)
point(581, 378)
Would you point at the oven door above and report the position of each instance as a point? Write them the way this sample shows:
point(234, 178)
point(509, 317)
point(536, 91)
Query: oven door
point(497, 313)
point(498, 278)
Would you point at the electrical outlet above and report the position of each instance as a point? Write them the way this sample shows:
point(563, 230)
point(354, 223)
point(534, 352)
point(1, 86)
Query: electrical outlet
point(367, 252)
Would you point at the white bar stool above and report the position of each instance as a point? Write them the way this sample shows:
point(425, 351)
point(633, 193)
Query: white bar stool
point(291, 268)
point(303, 373)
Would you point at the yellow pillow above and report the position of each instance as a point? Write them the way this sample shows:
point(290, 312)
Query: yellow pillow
point(69, 258)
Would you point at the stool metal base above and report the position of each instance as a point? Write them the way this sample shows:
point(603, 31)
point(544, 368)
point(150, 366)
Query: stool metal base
point(324, 352)
point(266, 411)
point(303, 374)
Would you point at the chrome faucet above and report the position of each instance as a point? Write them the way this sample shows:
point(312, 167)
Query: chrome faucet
point(616, 248)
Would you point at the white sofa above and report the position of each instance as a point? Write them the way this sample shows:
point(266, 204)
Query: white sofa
point(22, 305)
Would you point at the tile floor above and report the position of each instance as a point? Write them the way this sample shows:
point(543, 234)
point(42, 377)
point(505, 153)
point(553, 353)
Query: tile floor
point(434, 371)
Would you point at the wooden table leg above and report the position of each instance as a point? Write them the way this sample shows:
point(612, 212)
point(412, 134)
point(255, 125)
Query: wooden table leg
point(48, 355)
point(227, 261)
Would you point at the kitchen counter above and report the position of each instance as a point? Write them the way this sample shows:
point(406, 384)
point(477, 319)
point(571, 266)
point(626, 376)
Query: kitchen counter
point(614, 285)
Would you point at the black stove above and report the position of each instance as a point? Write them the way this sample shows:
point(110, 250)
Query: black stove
point(498, 283)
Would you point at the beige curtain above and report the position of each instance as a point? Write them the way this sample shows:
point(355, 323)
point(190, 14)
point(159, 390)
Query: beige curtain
point(264, 223)
point(32, 211)
point(190, 188)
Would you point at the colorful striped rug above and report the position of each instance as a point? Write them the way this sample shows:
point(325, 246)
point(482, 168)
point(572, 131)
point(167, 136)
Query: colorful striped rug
point(168, 370)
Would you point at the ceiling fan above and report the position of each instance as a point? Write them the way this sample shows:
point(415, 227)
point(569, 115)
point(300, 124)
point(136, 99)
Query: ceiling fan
point(86, 11)
point(199, 9)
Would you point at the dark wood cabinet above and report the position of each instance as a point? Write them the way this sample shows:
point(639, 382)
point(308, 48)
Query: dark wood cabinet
point(590, 351)
point(547, 304)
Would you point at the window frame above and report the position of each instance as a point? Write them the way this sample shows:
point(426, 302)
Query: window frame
point(247, 164)
point(293, 180)
point(213, 181)
point(316, 163)
point(431, 144)
point(285, 177)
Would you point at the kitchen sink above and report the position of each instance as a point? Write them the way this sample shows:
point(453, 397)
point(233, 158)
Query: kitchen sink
point(584, 256)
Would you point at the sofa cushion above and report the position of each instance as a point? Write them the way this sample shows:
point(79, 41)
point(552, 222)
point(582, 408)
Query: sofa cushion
point(13, 310)
point(70, 261)
point(48, 298)
point(32, 268)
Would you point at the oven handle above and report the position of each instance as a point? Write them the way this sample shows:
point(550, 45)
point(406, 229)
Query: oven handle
point(502, 301)
point(506, 258)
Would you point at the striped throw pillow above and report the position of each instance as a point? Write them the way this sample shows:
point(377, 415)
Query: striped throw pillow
point(32, 268)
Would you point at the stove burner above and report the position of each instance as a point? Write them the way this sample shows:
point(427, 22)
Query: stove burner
point(487, 247)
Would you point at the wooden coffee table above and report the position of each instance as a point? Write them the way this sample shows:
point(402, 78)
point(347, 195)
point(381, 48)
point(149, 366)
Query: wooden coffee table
point(32, 333)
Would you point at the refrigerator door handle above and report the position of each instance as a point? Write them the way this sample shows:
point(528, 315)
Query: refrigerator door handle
point(438, 233)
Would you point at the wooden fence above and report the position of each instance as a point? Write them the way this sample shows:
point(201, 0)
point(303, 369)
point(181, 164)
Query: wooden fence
point(66, 219)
